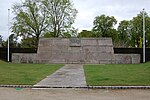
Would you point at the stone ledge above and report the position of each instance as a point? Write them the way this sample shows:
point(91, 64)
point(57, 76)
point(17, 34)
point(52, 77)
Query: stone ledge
point(127, 58)
point(119, 59)
point(23, 57)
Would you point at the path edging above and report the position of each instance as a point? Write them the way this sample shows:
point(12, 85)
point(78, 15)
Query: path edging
point(87, 87)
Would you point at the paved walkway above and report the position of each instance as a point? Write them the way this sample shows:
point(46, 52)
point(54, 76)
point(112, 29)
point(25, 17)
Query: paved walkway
point(71, 75)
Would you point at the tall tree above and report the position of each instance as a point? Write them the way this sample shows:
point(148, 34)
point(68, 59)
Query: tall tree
point(61, 14)
point(124, 32)
point(137, 29)
point(103, 25)
point(37, 17)
point(30, 20)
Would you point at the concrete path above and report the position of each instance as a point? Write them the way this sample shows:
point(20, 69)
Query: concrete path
point(71, 75)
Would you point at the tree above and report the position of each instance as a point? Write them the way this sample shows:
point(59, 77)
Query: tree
point(103, 25)
point(1, 41)
point(12, 41)
point(68, 34)
point(124, 33)
point(61, 16)
point(137, 29)
point(28, 43)
point(130, 32)
point(48, 34)
point(86, 33)
point(30, 20)
point(37, 17)
point(114, 35)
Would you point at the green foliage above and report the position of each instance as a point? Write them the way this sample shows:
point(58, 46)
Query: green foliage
point(86, 33)
point(69, 34)
point(33, 18)
point(61, 15)
point(136, 30)
point(138, 74)
point(30, 19)
point(131, 32)
point(29, 42)
point(48, 35)
point(54, 18)
point(103, 25)
point(12, 41)
point(128, 34)
point(66, 35)
point(124, 33)
point(3, 43)
point(25, 74)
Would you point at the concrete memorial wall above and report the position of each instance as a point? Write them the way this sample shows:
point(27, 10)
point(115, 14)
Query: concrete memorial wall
point(75, 51)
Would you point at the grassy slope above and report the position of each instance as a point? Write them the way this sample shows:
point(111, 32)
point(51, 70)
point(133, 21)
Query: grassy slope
point(25, 74)
point(138, 74)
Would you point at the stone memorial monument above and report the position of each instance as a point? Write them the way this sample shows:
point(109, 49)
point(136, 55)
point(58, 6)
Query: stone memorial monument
point(75, 51)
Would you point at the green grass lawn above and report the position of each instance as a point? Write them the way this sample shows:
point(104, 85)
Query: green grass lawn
point(132, 74)
point(25, 74)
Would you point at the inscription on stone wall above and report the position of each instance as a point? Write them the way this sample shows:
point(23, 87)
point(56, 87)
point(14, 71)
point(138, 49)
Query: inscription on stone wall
point(75, 42)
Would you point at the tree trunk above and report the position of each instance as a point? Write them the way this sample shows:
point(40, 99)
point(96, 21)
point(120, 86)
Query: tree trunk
point(37, 41)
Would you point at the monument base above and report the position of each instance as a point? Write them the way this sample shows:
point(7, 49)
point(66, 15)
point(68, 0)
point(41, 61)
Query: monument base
point(74, 51)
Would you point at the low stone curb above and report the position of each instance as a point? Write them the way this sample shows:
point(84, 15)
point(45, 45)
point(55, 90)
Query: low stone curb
point(87, 87)
point(119, 87)
point(17, 86)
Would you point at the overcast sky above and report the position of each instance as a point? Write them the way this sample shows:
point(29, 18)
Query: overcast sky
point(87, 11)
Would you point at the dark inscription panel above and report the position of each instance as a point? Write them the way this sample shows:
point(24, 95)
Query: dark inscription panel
point(75, 42)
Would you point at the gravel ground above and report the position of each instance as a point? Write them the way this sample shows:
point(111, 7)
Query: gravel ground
point(72, 94)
